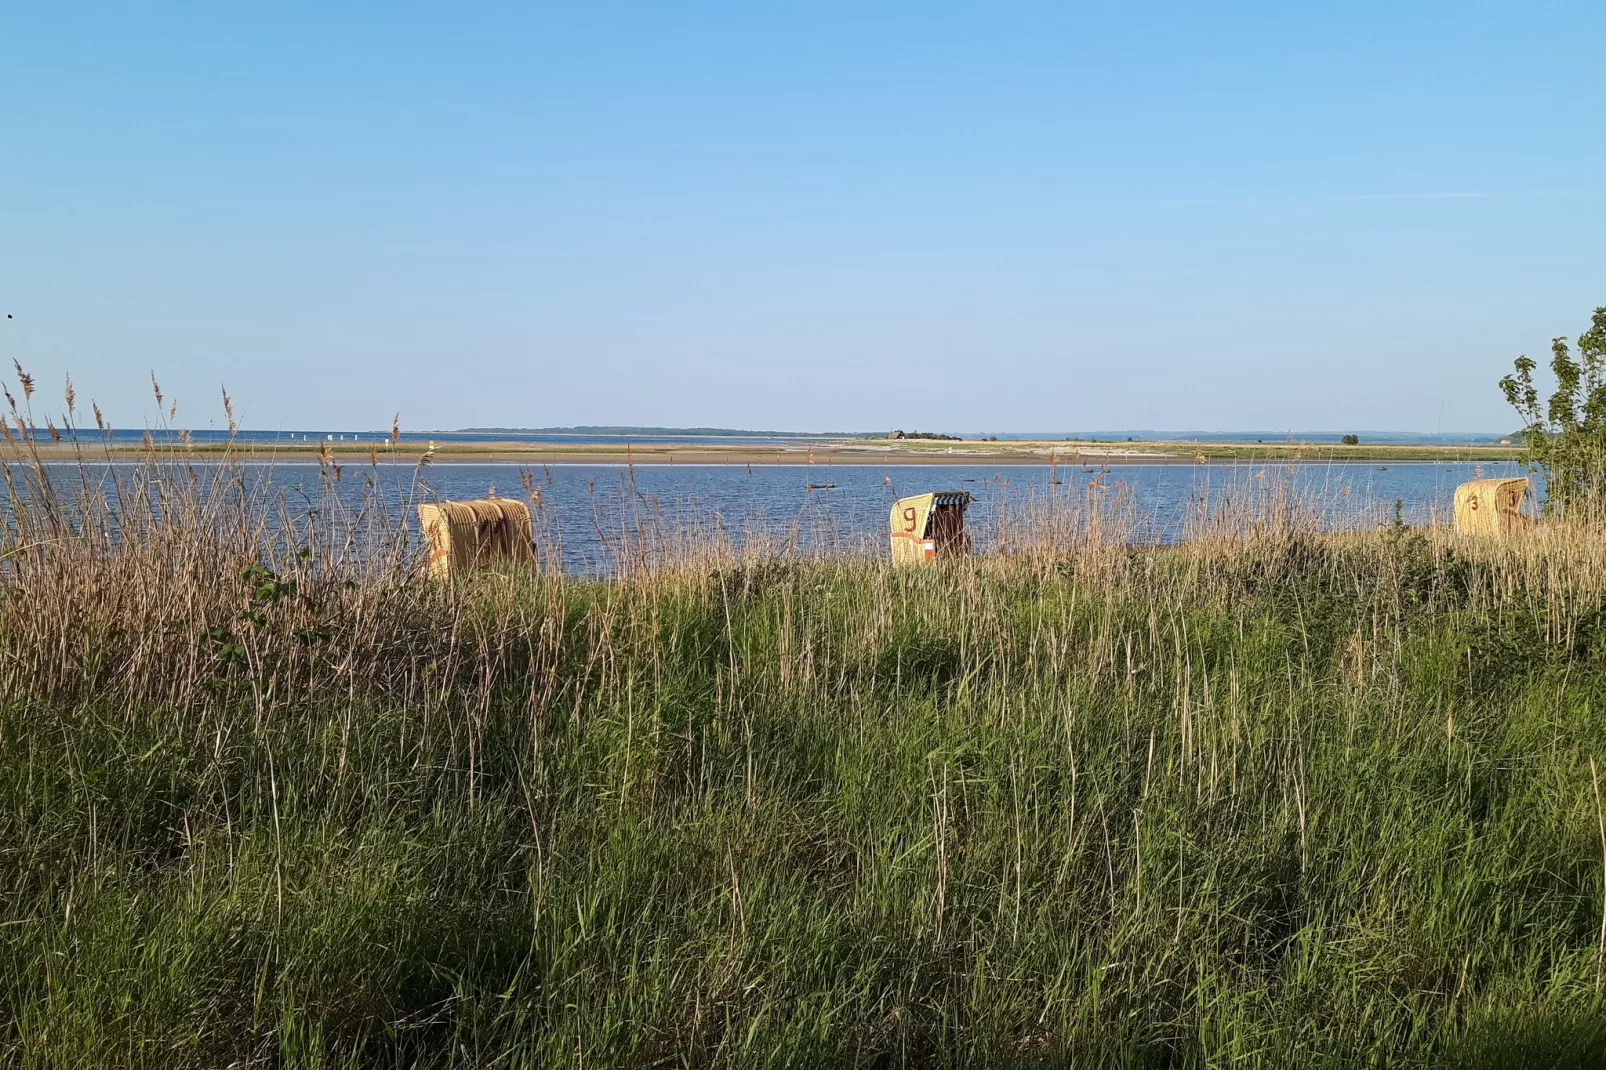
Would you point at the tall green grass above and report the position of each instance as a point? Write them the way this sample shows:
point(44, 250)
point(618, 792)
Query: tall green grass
point(1268, 798)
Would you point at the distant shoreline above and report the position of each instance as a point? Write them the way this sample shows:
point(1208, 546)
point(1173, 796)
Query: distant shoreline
point(1068, 456)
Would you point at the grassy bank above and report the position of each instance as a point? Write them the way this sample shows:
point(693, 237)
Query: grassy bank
point(1279, 799)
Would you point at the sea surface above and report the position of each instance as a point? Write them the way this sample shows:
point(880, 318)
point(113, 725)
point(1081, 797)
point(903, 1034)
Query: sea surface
point(259, 437)
point(593, 513)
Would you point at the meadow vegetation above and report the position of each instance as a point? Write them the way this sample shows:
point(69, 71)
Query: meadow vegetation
point(1275, 796)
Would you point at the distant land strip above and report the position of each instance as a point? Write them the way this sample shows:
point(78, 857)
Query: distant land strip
point(787, 452)
point(1299, 438)
point(657, 432)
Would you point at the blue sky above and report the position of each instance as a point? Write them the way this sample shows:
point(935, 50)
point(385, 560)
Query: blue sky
point(1011, 216)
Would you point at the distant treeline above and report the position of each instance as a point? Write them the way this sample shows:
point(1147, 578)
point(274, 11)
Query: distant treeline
point(932, 435)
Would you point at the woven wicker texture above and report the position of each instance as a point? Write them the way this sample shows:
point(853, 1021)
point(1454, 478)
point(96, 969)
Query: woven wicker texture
point(1491, 507)
point(928, 526)
point(463, 536)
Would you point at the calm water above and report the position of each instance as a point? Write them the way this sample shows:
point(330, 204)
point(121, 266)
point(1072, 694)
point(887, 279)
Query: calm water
point(135, 436)
point(588, 505)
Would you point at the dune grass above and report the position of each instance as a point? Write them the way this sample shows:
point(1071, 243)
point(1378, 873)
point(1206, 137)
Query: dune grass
point(1272, 797)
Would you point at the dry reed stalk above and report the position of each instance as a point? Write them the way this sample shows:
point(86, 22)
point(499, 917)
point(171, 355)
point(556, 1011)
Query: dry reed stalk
point(578, 736)
point(1600, 818)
